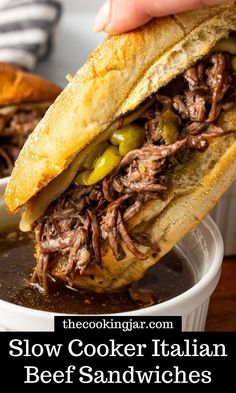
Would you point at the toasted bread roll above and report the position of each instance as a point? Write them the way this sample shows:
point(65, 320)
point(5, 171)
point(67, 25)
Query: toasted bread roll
point(122, 72)
point(120, 80)
point(24, 99)
point(18, 86)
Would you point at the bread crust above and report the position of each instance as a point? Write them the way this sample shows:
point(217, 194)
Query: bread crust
point(129, 68)
point(18, 86)
point(120, 73)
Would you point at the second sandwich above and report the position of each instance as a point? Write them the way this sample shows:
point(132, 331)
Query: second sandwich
point(24, 99)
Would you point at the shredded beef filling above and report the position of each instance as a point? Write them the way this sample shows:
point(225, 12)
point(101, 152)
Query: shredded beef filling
point(77, 223)
point(15, 128)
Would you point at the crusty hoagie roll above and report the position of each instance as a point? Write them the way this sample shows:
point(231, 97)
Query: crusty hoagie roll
point(134, 153)
point(24, 99)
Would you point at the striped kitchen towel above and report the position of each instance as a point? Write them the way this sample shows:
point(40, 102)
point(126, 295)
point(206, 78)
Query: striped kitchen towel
point(26, 30)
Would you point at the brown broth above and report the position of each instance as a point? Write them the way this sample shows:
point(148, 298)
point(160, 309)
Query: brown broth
point(170, 277)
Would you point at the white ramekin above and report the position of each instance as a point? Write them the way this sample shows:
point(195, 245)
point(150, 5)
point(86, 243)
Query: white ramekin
point(224, 215)
point(203, 246)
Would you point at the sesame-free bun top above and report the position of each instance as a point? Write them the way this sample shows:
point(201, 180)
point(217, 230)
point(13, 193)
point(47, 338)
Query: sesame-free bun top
point(18, 86)
point(120, 74)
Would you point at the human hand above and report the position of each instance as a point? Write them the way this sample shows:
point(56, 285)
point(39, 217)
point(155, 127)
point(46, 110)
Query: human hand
point(118, 16)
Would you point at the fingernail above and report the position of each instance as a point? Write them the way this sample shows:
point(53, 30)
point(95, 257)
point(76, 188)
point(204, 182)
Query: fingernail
point(102, 18)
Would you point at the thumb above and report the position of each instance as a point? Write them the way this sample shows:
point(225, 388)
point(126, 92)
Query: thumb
point(117, 16)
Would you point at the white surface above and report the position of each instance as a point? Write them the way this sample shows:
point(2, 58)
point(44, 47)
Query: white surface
point(225, 217)
point(204, 247)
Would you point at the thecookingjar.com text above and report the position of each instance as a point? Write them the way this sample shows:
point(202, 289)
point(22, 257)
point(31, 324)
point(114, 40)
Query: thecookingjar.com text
point(115, 324)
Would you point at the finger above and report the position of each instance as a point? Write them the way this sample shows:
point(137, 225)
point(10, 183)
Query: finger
point(117, 16)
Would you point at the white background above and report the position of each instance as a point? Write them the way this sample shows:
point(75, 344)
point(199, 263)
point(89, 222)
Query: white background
point(74, 39)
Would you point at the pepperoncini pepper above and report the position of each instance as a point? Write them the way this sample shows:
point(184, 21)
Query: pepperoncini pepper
point(103, 166)
point(106, 157)
point(82, 178)
point(226, 45)
point(169, 124)
point(128, 138)
point(233, 63)
point(95, 154)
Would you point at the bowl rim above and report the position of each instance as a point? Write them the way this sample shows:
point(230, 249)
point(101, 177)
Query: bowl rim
point(186, 296)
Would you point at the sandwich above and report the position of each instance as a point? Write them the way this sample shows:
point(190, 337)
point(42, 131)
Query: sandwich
point(134, 152)
point(24, 99)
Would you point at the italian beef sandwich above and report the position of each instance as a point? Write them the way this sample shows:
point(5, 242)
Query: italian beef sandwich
point(134, 152)
point(24, 99)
